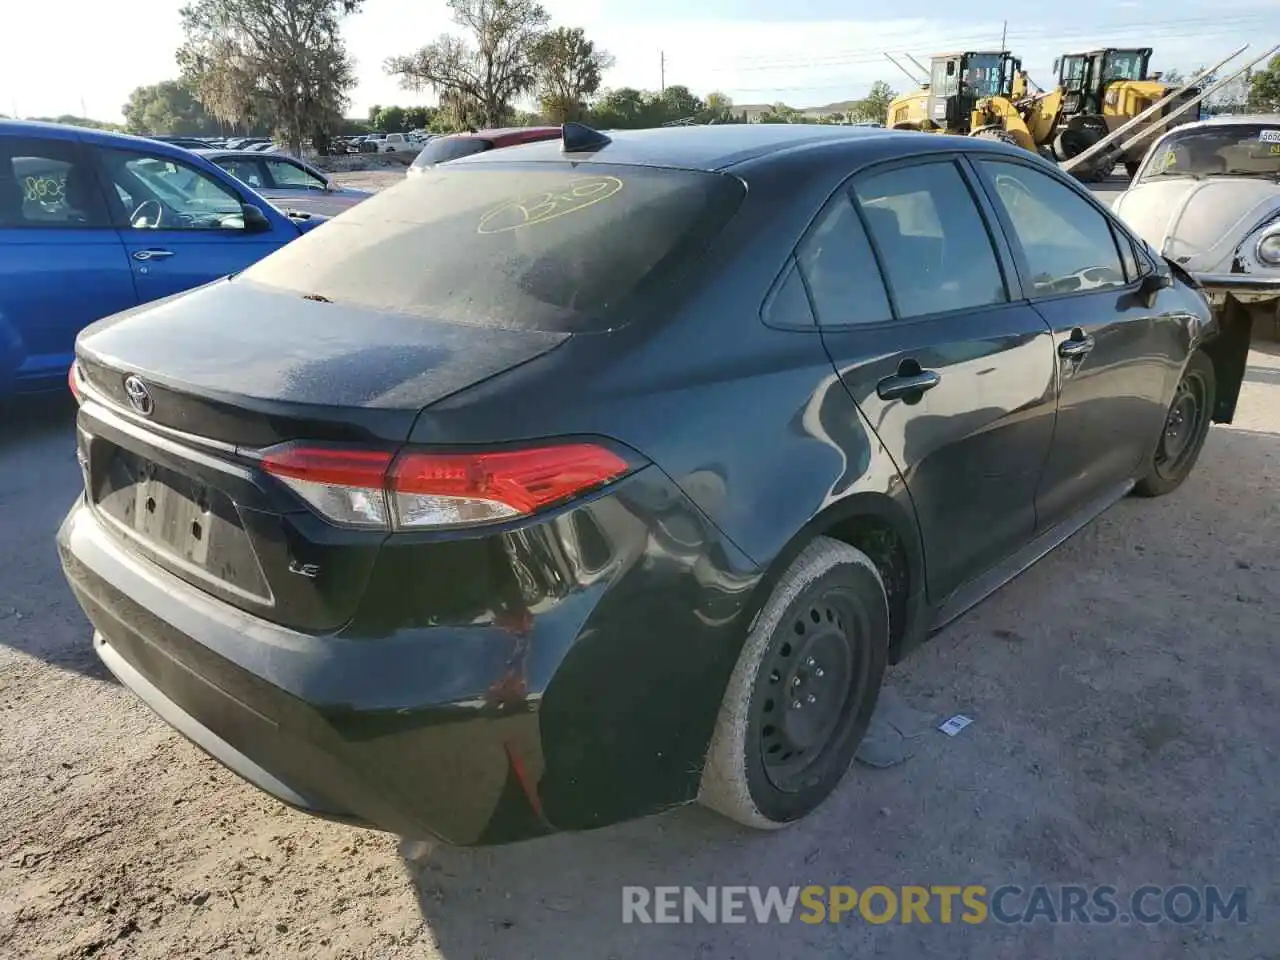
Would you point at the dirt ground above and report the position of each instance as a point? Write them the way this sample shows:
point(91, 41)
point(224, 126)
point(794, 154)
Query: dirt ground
point(1124, 696)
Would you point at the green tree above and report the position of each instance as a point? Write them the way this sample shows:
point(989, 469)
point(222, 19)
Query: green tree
point(373, 115)
point(167, 108)
point(281, 61)
point(1264, 88)
point(717, 108)
point(483, 72)
point(781, 113)
point(568, 68)
point(875, 105)
point(418, 118)
point(622, 109)
point(391, 120)
point(678, 102)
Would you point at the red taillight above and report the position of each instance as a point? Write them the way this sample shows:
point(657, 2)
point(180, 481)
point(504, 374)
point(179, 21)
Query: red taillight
point(73, 379)
point(419, 490)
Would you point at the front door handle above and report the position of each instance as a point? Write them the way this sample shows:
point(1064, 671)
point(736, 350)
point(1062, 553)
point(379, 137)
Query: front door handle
point(1076, 346)
point(152, 254)
point(909, 386)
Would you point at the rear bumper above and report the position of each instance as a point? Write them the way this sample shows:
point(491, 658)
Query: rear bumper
point(592, 705)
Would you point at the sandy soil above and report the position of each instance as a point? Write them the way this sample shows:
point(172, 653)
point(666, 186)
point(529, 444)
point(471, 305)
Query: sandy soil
point(1124, 695)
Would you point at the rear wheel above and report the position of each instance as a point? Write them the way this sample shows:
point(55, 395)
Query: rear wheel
point(803, 691)
point(1185, 428)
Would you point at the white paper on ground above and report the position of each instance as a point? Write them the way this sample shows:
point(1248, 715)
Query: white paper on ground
point(955, 724)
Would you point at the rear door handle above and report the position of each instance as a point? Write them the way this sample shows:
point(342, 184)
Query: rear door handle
point(907, 386)
point(1075, 347)
point(153, 254)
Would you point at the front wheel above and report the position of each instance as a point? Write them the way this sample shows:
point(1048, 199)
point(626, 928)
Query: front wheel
point(803, 690)
point(1185, 428)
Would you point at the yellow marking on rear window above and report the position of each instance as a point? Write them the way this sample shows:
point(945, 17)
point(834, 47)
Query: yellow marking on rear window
point(541, 207)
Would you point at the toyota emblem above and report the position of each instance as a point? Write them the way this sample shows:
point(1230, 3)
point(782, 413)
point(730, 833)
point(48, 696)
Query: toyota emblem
point(138, 394)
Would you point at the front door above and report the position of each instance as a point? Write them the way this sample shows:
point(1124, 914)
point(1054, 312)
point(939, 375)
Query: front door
point(180, 226)
point(1109, 344)
point(954, 374)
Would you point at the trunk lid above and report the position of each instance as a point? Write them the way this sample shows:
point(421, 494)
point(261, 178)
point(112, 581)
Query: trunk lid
point(234, 367)
point(244, 365)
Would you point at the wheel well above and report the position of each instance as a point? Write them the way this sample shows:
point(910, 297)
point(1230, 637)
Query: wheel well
point(1229, 351)
point(878, 539)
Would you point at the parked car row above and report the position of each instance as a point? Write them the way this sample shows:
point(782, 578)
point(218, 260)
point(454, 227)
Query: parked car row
point(571, 483)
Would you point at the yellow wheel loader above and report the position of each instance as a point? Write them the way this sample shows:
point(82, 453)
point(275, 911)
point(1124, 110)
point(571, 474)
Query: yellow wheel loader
point(957, 82)
point(987, 94)
point(1104, 89)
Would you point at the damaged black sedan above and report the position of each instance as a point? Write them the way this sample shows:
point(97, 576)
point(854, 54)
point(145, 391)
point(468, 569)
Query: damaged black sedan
point(568, 483)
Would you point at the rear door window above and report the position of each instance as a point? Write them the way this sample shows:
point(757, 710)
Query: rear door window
point(840, 269)
point(933, 242)
point(48, 183)
point(444, 149)
point(532, 246)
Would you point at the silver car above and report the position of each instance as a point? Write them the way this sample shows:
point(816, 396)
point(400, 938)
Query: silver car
point(286, 181)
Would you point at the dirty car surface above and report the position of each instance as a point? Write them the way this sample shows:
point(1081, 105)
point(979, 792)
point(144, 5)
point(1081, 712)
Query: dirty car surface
point(626, 494)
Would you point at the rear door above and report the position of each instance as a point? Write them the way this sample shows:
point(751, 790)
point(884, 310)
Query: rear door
point(1111, 346)
point(181, 226)
point(952, 369)
point(61, 264)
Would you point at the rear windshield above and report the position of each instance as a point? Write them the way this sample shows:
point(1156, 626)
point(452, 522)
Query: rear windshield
point(532, 246)
point(442, 149)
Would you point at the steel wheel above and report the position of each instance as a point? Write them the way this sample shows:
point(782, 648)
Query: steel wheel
point(817, 671)
point(1186, 421)
point(1185, 427)
point(803, 689)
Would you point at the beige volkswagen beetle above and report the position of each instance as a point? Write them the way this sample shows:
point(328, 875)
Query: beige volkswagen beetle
point(1207, 196)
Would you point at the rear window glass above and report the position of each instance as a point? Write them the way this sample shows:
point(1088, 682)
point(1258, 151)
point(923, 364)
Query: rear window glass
point(443, 149)
point(531, 246)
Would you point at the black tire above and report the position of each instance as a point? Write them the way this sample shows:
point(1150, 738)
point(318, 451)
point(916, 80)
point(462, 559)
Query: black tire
point(1184, 430)
point(1069, 143)
point(823, 630)
point(1002, 135)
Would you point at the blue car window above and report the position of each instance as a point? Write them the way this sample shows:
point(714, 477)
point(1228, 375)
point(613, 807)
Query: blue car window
point(159, 192)
point(46, 183)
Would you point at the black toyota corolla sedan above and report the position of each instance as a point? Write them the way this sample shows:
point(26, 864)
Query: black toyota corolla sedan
point(572, 482)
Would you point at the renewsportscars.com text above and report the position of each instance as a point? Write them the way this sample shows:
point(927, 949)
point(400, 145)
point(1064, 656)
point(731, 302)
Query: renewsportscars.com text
point(972, 904)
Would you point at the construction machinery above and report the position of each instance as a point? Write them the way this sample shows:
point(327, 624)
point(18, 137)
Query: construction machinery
point(1103, 89)
point(957, 83)
point(988, 94)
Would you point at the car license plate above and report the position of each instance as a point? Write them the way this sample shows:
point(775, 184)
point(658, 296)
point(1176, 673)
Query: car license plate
point(166, 516)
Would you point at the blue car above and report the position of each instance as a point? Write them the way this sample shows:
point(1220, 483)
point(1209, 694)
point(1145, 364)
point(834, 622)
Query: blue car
point(92, 223)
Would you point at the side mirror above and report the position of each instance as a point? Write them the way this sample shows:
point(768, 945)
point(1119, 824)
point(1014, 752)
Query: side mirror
point(1152, 284)
point(1057, 62)
point(255, 221)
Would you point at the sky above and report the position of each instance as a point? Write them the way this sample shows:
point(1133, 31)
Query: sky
point(802, 52)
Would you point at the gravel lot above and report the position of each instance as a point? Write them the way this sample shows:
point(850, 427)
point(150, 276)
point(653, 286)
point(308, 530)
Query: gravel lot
point(1124, 696)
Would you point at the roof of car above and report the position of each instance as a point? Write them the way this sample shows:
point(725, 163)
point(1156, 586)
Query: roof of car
point(1245, 118)
point(506, 133)
point(248, 154)
point(62, 131)
point(716, 146)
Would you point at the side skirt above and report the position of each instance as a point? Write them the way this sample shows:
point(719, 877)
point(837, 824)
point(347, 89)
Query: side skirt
point(968, 596)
